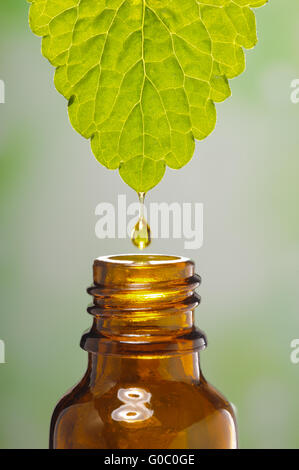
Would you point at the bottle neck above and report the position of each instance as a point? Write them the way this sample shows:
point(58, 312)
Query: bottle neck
point(106, 369)
point(143, 307)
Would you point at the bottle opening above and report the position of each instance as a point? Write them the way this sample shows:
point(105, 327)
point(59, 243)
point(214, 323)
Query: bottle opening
point(143, 259)
point(141, 269)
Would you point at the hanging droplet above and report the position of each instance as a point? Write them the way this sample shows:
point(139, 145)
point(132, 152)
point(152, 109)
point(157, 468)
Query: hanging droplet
point(141, 233)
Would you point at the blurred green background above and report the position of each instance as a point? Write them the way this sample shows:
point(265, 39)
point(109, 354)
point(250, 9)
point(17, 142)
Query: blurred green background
point(245, 173)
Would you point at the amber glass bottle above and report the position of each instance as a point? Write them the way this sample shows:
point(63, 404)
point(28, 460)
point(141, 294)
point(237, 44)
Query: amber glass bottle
point(143, 388)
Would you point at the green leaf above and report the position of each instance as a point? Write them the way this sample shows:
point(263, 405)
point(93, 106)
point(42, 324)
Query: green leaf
point(142, 76)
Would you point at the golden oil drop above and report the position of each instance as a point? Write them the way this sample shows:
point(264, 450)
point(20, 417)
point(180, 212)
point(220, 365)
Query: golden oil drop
point(141, 233)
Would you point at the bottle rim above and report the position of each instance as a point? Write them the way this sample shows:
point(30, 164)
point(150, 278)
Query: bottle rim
point(144, 270)
point(142, 259)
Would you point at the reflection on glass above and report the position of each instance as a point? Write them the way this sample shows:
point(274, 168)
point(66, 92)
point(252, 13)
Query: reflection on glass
point(134, 408)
